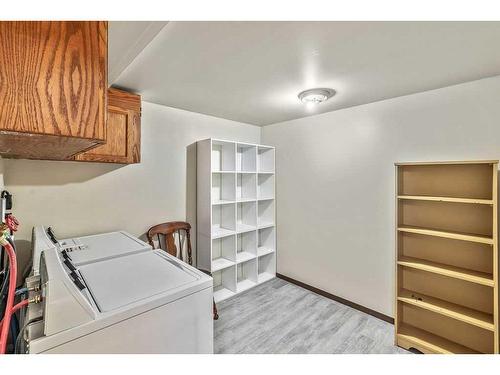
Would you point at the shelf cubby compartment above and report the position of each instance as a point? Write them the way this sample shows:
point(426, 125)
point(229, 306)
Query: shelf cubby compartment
point(246, 246)
point(246, 158)
point(266, 213)
point(246, 187)
point(266, 241)
point(265, 186)
point(445, 334)
point(223, 156)
point(246, 275)
point(224, 283)
point(223, 188)
point(265, 157)
point(267, 267)
point(246, 217)
point(223, 252)
point(223, 220)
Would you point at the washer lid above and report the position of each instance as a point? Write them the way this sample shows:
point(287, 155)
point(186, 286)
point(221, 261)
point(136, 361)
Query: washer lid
point(83, 250)
point(121, 281)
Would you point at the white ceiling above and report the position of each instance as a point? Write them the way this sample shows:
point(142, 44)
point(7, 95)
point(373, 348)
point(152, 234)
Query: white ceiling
point(252, 71)
point(126, 40)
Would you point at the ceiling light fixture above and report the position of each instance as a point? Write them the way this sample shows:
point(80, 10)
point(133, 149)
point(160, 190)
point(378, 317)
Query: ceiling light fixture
point(316, 96)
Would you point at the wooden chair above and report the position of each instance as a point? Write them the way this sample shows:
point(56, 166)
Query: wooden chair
point(166, 234)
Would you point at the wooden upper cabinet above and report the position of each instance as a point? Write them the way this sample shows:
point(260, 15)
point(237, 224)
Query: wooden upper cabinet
point(123, 144)
point(53, 83)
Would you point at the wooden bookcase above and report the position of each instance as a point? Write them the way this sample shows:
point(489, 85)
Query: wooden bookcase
point(447, 257)
point(236, 234)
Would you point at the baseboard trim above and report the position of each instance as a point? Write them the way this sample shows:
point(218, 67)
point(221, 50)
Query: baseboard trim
point(343, 301)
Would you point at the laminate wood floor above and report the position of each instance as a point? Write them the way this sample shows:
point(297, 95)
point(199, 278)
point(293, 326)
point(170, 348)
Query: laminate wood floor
point(279, 317)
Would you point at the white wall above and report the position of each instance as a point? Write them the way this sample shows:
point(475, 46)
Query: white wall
point(83, 198)
point(335, 181)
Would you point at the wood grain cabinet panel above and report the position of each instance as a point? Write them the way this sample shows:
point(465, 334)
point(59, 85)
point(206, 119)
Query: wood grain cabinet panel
point(53, 82)
point(123, 144)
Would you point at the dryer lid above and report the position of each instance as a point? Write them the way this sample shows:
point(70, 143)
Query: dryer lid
point(118, 282)
point(83, 250)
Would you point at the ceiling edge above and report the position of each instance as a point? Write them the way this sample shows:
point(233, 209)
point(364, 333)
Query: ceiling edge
point(135, 49)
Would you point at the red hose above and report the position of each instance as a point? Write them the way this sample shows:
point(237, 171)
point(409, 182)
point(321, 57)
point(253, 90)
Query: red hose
point(4, 333)
point(20, 305)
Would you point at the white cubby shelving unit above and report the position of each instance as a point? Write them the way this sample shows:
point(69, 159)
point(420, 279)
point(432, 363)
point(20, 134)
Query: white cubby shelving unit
point(236, 233)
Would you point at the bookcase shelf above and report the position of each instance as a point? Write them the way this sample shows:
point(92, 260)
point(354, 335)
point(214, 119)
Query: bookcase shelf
point(236, 236)
point(221, 263)
point(427, 342)
point(218, 232)
point(446, 199)
point(447, 270)
point(244, 228)
point(447, 257)
point(221, 201)
point(261, 251)
point(452, 310)
point(447, 234)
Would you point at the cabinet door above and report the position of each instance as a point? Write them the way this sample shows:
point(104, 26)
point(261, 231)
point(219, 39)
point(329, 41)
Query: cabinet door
point(53, 86)
point(54, 79)
point(123, 133)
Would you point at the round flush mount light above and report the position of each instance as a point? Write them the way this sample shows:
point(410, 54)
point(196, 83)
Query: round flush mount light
point(316, 96)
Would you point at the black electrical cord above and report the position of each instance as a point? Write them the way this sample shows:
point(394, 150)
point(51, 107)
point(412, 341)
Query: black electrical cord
point(14, 330)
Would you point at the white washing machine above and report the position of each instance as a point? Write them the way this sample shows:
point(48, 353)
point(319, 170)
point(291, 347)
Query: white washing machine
point(124, 298)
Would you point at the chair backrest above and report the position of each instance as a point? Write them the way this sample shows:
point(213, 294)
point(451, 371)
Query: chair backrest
point(169, 232)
